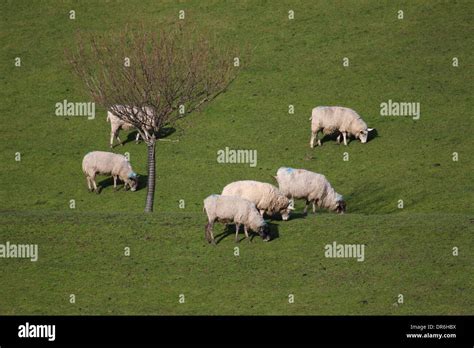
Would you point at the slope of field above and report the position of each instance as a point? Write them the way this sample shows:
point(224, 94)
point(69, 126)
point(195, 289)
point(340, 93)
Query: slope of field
point(408, 251)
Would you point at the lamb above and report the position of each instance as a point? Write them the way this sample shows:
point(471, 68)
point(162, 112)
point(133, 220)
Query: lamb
point(233, 209)
point(332, 119)
point(108, 163)
point(116, 124)
point(266, 197)
point(313, 187)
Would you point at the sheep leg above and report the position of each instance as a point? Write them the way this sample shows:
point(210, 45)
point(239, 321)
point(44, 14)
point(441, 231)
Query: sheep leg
point(339, 138)
point(247, 233)
point(112, 134)
point(237, 228)
point(137, 138)
point(314, 207)
point(210, 225)
point(344, 135)
point(206, 232)
point(316, 136)
point(262, 212)
point(95, 185)
point(89, 184)
point(313, 136)
point(305, 211)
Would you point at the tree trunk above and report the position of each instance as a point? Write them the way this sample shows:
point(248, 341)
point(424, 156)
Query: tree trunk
point(150, 196)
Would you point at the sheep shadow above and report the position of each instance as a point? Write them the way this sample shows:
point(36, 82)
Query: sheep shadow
point(372, 135)
point(109, 181)
point(163, 133)
point(293, 215)
point(230, 231)
point(298, 215)
point(333, 137)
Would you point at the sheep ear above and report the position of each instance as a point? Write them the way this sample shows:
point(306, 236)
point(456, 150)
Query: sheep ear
point(291, 205)
point(274, 177)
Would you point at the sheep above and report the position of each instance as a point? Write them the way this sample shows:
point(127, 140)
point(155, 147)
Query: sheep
point(313, 187)
point(108, 163)
point(233, 209)
point(266, 197)
point(332, 119)
point(116, 124)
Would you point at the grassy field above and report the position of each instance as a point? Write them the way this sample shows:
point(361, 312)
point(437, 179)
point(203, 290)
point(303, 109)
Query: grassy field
point(408, 251)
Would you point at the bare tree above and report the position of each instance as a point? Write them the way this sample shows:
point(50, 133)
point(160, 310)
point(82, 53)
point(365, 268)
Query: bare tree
point(151, 79)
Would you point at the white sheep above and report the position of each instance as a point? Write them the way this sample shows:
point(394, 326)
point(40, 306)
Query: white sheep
point(108, 163)
point(330, 119)
point(313, 187)
point(232, 209)
point(266, 197)
point(116, 124)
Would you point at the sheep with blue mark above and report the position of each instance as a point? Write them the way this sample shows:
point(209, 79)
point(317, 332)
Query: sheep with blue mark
point(108, 163)
point(312, 187)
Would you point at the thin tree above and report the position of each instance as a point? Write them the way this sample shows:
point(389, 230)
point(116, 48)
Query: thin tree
point(152, 79)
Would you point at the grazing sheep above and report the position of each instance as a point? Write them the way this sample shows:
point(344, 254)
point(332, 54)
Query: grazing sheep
point(267, 198)
point(313, 187)
point(116, 124)
point(332, 119)
point(232, 209)
point(108, 163)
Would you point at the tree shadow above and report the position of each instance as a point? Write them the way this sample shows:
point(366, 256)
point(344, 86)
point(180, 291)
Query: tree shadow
point(230, 231)
point(163, 133)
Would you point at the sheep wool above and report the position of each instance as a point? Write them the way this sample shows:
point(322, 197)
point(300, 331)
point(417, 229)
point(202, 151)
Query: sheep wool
point(313, 187)
point(232, 209)
point(267, 198)
point(108, 163)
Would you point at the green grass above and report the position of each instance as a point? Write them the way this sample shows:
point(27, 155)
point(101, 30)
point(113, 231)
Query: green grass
point(298, 62)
